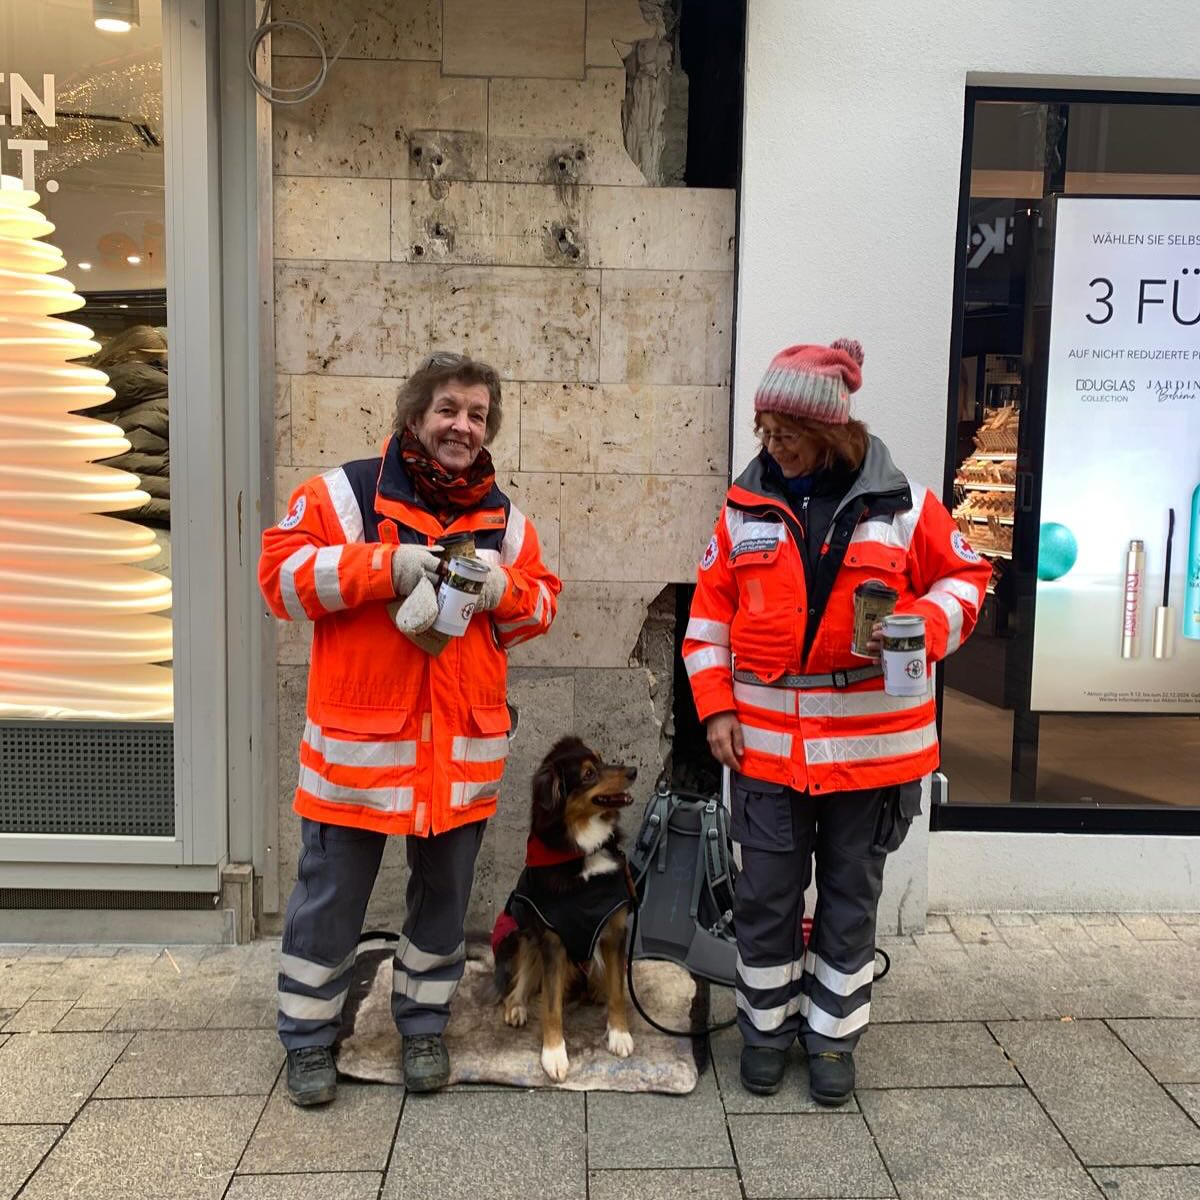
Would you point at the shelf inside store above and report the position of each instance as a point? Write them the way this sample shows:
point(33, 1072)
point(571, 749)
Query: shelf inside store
point(983, 520)
point(995, 455)
point(993, 553)
point(985, 487)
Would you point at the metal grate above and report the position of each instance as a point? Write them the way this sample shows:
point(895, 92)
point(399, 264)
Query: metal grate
point(77, 778)
point(59, 898)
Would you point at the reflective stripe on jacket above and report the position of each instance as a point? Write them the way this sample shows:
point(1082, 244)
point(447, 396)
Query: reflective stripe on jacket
point(396, 740)
point(755, 609)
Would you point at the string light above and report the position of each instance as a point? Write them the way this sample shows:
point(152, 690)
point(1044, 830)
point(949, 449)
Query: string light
point(80, 637)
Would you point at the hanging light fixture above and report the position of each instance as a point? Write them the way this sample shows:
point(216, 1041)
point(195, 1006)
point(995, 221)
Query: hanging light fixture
point(115, 16)
point(80, 634)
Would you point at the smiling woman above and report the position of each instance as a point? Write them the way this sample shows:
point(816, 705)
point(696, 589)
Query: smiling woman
point(400, 738)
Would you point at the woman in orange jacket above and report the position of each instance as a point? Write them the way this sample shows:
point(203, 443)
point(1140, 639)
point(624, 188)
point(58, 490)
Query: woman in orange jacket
point(822, 759)
point(398, 740)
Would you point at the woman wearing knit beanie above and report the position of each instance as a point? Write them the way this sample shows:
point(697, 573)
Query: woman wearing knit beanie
point(822, 759)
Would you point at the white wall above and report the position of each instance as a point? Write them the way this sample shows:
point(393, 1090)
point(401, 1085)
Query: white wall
point(852, 154)
point(849, 214)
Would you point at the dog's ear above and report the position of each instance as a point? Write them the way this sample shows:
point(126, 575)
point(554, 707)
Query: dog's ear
point(547, 787)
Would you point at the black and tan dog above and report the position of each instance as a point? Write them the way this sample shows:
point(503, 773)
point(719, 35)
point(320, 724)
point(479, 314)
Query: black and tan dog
point(563, 928)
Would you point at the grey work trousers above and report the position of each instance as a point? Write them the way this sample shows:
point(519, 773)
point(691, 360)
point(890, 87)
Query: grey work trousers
point(325, 913)
point(820, 993)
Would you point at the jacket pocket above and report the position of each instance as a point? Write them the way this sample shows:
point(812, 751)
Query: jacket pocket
point(761, 816)
point(901, 806)
point(491, 719)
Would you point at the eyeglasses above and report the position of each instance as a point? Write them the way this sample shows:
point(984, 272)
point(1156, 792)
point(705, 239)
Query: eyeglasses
point(787, 440)
point(442, 358)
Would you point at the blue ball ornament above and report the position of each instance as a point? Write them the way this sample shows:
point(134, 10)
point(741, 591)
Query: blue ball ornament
point(1057, 551)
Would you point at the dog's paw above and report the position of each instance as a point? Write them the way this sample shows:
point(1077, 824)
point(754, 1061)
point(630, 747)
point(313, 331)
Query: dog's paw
point(555, 1062)
point(620, 1042)
point(516, 1016)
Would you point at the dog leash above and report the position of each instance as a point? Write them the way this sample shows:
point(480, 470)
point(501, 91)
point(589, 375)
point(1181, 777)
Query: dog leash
point(635, 903)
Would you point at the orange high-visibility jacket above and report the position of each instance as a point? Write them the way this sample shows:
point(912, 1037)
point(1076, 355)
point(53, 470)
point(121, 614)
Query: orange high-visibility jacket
point(397, 740)
point(754, 610)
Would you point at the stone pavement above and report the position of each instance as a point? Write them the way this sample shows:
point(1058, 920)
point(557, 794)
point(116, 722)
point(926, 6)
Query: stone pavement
point(1011, 1057)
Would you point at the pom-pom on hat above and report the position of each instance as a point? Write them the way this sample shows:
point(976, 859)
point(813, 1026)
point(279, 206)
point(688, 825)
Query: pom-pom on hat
point(814, 382)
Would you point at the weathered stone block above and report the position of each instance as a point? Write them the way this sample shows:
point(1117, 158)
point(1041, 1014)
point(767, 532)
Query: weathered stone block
point(598, 625)
point(666, 327)
point(631, 526)
point(537, 496)
point(375, 28)
point(338, 419)
point(559, 131)
point(639, 429)
point(364, 319)
point(528, 324)
point(612, 28)
point(615, 714)
point(283, 419)
point(332, 218)
point(363, 119)
point(529, 38)
point(510, 224)
point(661, 229)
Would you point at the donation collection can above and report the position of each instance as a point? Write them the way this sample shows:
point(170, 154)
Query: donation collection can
point(904, 669)
point(458, 594)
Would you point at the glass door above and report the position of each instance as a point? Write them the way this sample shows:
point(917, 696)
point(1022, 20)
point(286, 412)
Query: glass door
point(1061, 711)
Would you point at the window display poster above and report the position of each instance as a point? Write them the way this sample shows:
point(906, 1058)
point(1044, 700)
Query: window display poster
point(1116, 628)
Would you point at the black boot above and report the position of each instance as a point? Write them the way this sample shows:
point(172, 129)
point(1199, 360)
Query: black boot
point(831, 1077)
point(426, 1063)
point(311, 1076)
point(762, 1069)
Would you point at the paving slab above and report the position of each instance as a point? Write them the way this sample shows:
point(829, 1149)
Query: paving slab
point(1168, 1049)
point(85, 1020)
point(1187, 1096)
point(792, 1097)
point(1148, 927)
point(808, 1156)
point(342, 1185)
point(973, 927)
point(353, 1133)
point(163, 1014)
point(1149, 1183)
point(117, 1149)
point(664, 1185)
point(208, 1062)
point(981, 1143)
point(502, 1145)
point(951, 1000)
point(45, 1078)
point(245, 1014)
point(1106, 1103)
point(642, 1130)
point(22, 1147)
point(37, 1016)
point(932, 1055)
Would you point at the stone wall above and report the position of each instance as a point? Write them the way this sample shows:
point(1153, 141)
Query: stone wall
point(462, 182)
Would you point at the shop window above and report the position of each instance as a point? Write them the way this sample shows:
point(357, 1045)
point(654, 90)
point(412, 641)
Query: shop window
point(1074, 420)
point(85, 506)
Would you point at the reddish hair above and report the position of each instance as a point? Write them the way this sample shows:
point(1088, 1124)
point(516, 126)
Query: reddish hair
point(844, 444)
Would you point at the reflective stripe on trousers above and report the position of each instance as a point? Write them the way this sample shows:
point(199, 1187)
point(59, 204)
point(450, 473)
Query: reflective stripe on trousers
point(822, 992)
point(335, 874)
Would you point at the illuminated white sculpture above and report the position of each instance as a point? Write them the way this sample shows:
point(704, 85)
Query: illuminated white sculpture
point(77, 636)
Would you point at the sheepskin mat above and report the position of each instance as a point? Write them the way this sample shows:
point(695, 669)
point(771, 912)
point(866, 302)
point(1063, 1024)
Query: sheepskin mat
point(485, 1050)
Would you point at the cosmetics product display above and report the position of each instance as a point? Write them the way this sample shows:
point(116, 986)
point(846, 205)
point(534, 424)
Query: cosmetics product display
point(1164, 616)
point(1131, 609)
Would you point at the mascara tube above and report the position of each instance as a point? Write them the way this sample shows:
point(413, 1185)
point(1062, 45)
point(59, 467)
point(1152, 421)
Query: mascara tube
point(1131, 619)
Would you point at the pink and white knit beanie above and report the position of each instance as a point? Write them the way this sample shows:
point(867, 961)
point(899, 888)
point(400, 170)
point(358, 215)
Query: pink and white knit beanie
point(814, 382)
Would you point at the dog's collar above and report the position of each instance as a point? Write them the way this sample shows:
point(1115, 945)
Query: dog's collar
point(538, 854)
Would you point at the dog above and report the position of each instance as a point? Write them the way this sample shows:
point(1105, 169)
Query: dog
point(563, 929)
